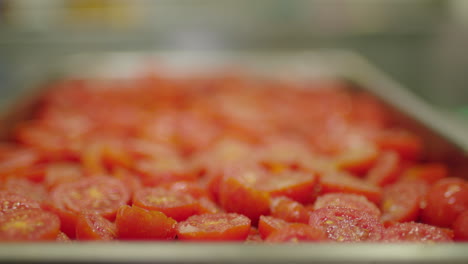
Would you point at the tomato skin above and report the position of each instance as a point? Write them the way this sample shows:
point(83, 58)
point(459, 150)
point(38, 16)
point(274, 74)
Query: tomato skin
point(134, 223)
point(444, 201)
point(12, 202)
point(347, 225)
point(289, 210)
point(214, 227)
point(342, 182)
point(29, 225)
point(297, 232)
point(402, 201)
point(460, 227)
point(415, 232)
point(179, 206)
point(236, 197)
point(268, 224)
point(94, 227)
point(346, 200)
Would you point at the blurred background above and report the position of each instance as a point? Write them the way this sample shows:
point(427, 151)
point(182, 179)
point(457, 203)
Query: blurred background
point(420, 43)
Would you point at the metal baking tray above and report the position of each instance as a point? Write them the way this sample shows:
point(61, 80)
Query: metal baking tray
point(446, 141)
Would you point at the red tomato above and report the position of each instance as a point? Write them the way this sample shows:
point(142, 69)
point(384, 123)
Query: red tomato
point(29, 225)
point(17, 161)
point(94, 227)
point(407, 145)
point(100, 195)
point(289, 210)
point(57, 173)
point(163, 170)
point(297, 232)
point(179, 206)
point(347, 225)
point(415, 232)
point(207, 206)
point(237, 197)
point(359, 160)
point(129, 179)
point(12, 202)
point(386, 170)
point(102, 154)
point(444, 201)
point(192, 188)
point(134, 223)
point(214, 227)
point(299, 186)
point(430, 173)
point(402, 201)
point(342, 182)
point(26, 188)
point(460, 227)
point(268, 224)
point(347, 200)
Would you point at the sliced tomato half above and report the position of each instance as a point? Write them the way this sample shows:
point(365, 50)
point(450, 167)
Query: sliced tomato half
point(177, 205)
point(94, 227)
point(297, 232)
point(415, 232)
point(268, 224)
point(12, 202)
point(345, 183)
point(402, 201)
point(135, 223)
point(289, 210)
point(386, 170)
point(214, 227)
point(444, 201)
point(29, 225)
point(347, 225)
point(100, 195)
point(347, 200)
